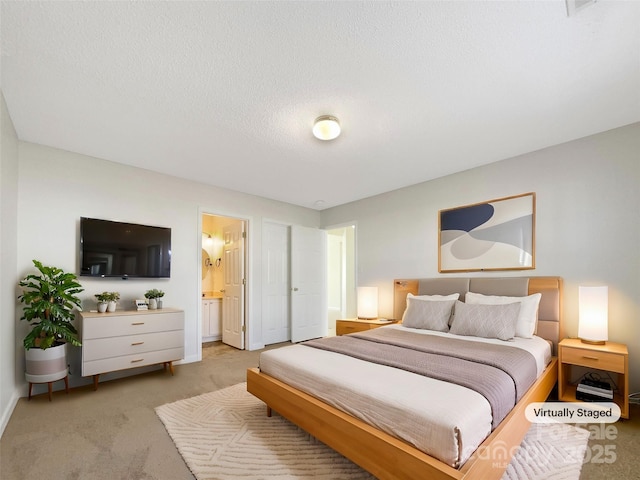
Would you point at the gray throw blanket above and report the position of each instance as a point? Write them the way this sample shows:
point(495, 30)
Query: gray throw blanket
point(502, 374)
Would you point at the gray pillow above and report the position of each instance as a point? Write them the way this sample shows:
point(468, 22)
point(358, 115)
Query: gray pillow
point(427, 314)
point(487, 321)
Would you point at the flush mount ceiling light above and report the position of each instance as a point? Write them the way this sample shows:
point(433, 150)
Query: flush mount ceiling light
point(326, 127)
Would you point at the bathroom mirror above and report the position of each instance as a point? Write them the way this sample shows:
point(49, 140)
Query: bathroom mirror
point(206, 261)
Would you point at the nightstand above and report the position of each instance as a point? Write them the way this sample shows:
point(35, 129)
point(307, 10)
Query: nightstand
point(354, 325)
point(610, 357)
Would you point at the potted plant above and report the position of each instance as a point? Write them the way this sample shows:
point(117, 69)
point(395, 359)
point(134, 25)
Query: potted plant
point(112, 299)
point(159, 300)
point(49, 298)
point(153, 295)
point(103, 300)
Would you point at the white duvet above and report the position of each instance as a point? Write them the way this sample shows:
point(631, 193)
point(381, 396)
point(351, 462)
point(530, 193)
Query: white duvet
point(445, 420)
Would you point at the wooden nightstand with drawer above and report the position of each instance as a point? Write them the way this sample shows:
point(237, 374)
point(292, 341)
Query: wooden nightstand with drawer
point(610, 357)
point(354, 325)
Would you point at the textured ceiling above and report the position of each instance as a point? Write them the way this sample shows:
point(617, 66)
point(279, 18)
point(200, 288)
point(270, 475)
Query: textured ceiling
point(226, 92)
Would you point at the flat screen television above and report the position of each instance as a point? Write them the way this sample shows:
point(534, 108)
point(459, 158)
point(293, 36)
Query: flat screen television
point(127, 250)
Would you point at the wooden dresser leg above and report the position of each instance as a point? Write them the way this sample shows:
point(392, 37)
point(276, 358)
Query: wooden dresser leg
point(50, 388)
point(96, 378)
point(66, 384)
point(171, 368)
point(30, 387)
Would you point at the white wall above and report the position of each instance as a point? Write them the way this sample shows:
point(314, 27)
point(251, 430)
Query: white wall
point(56, 188)
point(8, 247)
point(587, 225)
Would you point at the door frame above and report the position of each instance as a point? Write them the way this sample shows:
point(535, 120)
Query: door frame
point(248, 255)
point(353, 224)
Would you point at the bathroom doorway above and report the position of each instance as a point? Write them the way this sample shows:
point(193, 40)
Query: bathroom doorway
point(223, 279)
point(341, 274)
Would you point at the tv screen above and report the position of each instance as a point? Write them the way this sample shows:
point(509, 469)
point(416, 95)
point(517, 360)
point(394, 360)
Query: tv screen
point(116, 249)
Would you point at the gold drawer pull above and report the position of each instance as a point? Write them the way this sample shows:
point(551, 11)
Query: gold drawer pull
point(590, 358)
point(137, 343)
point(137, 323)
point(137, 360)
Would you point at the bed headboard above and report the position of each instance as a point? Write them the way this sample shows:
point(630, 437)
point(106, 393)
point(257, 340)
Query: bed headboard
point(549, 311)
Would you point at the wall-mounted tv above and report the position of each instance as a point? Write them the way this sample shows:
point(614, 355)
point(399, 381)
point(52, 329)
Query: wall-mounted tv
point(127, 250)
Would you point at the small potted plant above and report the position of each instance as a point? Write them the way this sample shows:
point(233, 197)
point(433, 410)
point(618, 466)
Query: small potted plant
point(159, 300)
point(112, 298)
point(103, 300)
point(49, 298)
point(153, 295)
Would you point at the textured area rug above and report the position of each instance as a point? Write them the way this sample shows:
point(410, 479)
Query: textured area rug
point(227, 435)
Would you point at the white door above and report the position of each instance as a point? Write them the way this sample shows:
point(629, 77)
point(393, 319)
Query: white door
point(234, 282)
point(275, 284)
point(308, 283)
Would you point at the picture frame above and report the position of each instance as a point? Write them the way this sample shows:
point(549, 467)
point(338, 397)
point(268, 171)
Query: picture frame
point(497, 234)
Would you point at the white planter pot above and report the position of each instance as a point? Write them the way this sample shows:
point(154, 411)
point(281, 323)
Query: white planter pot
point(48, 365)
point(111, 306)
point(102, 307)
point(159, 302)
point(153, 303)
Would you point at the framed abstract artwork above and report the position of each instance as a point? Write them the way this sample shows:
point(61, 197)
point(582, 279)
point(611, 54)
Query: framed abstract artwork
point(494, 235)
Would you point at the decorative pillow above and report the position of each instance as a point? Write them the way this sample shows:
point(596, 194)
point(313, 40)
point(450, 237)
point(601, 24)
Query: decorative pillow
point(427, 314)
point(528, 317)
point(488, 321)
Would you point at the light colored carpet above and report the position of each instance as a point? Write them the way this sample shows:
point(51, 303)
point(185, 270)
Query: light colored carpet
point(227, 435)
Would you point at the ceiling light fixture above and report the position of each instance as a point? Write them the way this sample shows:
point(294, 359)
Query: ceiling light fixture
point(326, 127)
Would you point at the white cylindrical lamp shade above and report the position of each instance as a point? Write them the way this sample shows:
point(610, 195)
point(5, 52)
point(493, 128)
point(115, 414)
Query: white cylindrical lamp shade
point(593, 314)
point(367, 302)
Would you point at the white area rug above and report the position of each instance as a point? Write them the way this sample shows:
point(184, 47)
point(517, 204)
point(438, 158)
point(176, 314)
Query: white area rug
point(227, 435)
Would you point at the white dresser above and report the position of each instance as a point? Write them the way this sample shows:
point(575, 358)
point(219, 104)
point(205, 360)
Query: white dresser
point(130, 339)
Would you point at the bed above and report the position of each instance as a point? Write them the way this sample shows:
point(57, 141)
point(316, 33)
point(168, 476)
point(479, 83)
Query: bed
point(362, 435)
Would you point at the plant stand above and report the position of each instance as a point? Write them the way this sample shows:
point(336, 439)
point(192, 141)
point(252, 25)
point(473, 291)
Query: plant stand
point(50, 386)
point(47, 366)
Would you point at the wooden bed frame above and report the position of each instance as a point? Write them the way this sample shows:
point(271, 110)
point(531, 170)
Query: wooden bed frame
point(387, 457)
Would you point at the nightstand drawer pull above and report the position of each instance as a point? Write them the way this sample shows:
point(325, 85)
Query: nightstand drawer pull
point(590, 358)
point(137, 360)
point(136, 343)
point(137, 323)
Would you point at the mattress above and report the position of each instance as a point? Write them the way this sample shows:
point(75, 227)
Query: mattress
point(444, 420)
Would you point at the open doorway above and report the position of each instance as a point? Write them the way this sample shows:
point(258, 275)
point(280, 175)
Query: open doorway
point(341, 274)
point(223, 279)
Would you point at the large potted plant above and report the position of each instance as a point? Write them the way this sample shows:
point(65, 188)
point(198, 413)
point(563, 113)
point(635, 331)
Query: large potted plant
point(49, 298)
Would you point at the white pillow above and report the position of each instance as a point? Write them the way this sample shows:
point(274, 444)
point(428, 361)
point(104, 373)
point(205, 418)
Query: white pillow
point(528, 316)
point(434, 298)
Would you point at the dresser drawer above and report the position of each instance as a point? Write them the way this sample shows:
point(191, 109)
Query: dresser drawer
point(114, 326)
point(594, 359)
point(97, 367)
point(100, 348)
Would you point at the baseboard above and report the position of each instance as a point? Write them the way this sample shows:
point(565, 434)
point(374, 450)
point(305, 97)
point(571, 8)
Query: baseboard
point(8, 411)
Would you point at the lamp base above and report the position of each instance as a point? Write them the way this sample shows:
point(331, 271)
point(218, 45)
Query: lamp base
point(593, 342)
